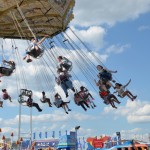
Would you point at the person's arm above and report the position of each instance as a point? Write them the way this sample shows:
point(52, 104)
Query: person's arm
point(5, 61)
point(57, 80)
point(90, 95)
point(40, 42)
point(114, 92)
point(127, 83)
point(97, 83)
point(111, 71)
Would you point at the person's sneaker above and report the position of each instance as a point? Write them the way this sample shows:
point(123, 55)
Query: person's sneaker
point(113, 81)
point(94, 105)
point(85, 109)
point(40, 110)
point(29, 60)
point(69, 109)
point(88, 106)
point(73, 89)
point(67, 95)
point(134, 97)
point(66, 112)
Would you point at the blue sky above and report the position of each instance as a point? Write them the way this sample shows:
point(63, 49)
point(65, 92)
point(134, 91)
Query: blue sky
point(120, 35)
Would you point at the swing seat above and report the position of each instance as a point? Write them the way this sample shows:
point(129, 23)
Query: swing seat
point(36, 53)
point(67, 66)
point(6, 71)
point(25, 92)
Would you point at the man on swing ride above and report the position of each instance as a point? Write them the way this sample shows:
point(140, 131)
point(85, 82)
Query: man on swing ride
point(34, 50)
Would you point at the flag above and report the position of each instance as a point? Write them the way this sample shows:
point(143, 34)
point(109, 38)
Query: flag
point(66, 132)
point(34, 135)
point(40, 135)
point(46, 135)
point(53, 134)
point(84, 143)
point(59, 134)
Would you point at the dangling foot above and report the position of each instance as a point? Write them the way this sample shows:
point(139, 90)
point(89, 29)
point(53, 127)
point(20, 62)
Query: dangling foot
point(29, 60)
point(113, 81)
point(73, 89)
point(66, 112)
point(40, 110)
point(67, 95)
point(85, 109)
point(134, 97)
point(69, 109)
point(94, 105)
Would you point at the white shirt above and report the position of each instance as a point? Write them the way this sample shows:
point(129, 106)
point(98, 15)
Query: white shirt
point(121, 90)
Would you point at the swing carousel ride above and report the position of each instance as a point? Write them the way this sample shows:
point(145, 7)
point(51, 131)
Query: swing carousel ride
point(54, 53)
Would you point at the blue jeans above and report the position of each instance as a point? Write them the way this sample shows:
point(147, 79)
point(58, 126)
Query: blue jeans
point(65, 85)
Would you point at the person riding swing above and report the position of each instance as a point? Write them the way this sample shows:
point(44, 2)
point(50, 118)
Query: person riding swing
point(7, 71)
point(64, 63)
point(34, 50)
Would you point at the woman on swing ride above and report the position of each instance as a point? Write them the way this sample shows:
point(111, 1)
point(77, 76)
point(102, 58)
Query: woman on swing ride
point(34, 49)
point(122, 92)
point(7, 71)
point(60, 103)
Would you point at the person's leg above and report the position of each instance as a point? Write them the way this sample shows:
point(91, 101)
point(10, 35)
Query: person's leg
point(112, 104)
point(82, 105)
point(126, 93)
point(9, 98)
point(92, 103)
point(66, 105)
point(1, 104)
point(114, 98)
point(37, 106)
point(63, 86)
point(63, 106)
point(84, 102)
point(133, 97)
point(111, 101)
point(48, 101)
point(70, 85)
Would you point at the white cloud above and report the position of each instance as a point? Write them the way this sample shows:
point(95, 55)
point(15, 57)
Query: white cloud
point(55, 117)
point(117, 48)
point(135, 112)
point(89, 13)
point(93, 36)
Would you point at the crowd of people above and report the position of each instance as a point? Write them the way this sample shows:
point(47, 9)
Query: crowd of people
point(82, 97)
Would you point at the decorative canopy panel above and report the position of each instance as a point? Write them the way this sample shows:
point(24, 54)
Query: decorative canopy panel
point(24, 19)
